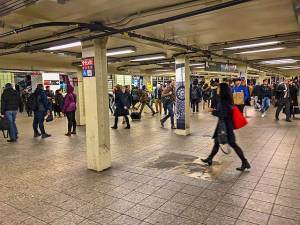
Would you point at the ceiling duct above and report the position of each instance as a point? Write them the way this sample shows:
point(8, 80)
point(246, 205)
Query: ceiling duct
point(9, 6)
point(297, 10)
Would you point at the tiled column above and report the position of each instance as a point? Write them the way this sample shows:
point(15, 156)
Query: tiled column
point(96, 107)
point(182, 107)
point(80, 114)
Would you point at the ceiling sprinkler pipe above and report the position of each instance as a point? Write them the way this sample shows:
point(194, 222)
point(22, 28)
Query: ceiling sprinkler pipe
point(50, 24)
point(171, 19)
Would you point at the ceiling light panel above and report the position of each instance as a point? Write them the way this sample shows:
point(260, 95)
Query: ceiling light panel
point(148, 57)
point(279, 61)
point(253, 45)
point(261, 50)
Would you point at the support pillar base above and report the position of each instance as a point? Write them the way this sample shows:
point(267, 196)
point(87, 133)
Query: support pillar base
point(185, 132)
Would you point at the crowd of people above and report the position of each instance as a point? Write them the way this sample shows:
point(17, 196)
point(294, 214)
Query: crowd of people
point(126, 102)
point(42, 105)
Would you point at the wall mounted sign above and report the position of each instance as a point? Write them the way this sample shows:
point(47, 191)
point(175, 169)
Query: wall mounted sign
point(220, 67)
point(51, 82)
point(88, 67)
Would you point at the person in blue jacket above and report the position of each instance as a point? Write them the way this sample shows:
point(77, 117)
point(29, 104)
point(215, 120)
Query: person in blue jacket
point(238, 87)
point(41, 110)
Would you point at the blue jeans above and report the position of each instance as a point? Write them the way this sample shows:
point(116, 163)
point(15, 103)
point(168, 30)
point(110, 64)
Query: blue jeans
point(13, 131)
point(38, 121)
point(265, 104)
point(170, 109)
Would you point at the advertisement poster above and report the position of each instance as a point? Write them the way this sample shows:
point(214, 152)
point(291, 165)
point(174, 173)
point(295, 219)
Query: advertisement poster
point(88, 67)
point(180, 96)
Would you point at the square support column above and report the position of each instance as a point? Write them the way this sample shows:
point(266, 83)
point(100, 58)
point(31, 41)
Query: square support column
point(80, 114)
point(96, 107)
point(182, 107)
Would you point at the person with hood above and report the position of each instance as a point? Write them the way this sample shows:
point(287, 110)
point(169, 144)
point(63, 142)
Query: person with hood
point(195, 96)
point(41, 107)
point(10, 103)
point(69, 109)
point(223, 111)
point(123, 103)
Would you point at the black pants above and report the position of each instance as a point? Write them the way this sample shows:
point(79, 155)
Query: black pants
point(38, 122)
point(285, 102)
point(71, 121)
point(117, 119)
point(195, 105)
point(235, 147)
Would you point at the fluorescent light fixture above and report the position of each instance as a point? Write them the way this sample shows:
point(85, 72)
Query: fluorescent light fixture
point(253, 45)
point(121, 51)
point(148, 57)
point(163, 70)
point(279, 61)
point(199, 67)
point(165, 63)
point(197, 64)
point(261, 50)
point(289, 67)
point(59, 47)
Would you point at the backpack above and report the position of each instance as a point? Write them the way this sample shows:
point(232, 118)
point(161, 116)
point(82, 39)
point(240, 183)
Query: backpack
point(195, 93)
point(33, 102)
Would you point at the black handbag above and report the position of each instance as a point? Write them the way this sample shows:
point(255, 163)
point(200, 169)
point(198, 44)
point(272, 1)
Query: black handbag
point(4, 126)
point(296, 110)
point(222, 133)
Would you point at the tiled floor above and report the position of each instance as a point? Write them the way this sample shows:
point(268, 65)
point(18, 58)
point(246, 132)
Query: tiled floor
point(156, 177)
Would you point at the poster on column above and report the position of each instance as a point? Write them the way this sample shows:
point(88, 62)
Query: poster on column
point(180, 96)
point(88, 67)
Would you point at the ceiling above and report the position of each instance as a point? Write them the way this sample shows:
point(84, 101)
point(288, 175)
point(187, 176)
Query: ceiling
point(252, 22)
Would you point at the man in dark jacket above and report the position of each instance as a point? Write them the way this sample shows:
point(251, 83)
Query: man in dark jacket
point(266, 95)
point(195, 96)
point(284, 96)
point(43, 107)
point(10, 103)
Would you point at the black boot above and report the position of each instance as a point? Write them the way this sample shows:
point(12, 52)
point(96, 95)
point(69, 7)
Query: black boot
point(245, 165)
point(116, 124)
point(207, 160)
point(127, 122)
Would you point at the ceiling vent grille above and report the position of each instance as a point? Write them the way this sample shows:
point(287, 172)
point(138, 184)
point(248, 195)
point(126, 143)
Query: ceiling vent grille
point(9, 6)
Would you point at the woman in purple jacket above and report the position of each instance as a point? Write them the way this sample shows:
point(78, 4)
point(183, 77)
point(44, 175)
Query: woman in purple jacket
point(70, 109)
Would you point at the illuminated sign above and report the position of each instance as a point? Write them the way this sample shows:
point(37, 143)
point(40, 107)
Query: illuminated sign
point(88, 67)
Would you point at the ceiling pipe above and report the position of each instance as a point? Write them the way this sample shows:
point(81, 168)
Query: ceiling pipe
point(171, 19)
point(12, 6)
point(52, 24)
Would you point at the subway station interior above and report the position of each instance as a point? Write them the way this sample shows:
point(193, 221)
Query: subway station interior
point(120, 107)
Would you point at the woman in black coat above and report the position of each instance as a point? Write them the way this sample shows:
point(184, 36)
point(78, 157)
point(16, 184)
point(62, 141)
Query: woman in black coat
point(294, 97)
point(122, 103)
point(223, 111)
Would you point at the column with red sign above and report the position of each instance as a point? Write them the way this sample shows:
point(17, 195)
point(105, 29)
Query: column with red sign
point(94, 74)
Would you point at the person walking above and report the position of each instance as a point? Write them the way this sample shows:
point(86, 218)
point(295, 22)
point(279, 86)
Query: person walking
point(58, 103)
point(195, 96)
point(257, 96)
point(284, 100)
point(145, 100)
point(240, 95)
point(223, 111)
point(294, 90)
point(266, 95)
point(69, 109)
point(157, 97)
point(123, 102)
point(168, 96)
point(10, 103)
point(41, 107)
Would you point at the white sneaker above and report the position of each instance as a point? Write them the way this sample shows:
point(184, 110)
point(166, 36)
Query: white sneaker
point(263, 115)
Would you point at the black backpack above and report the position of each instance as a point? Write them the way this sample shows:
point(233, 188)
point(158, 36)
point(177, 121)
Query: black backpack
point(33, 102)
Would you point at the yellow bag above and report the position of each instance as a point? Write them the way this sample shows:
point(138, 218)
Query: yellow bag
point(238, 98)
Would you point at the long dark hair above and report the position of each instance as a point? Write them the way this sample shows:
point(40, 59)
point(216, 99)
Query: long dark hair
point(225, 93)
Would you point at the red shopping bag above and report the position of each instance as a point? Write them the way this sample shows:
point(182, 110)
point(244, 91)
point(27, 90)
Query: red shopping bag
point(238, 118)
